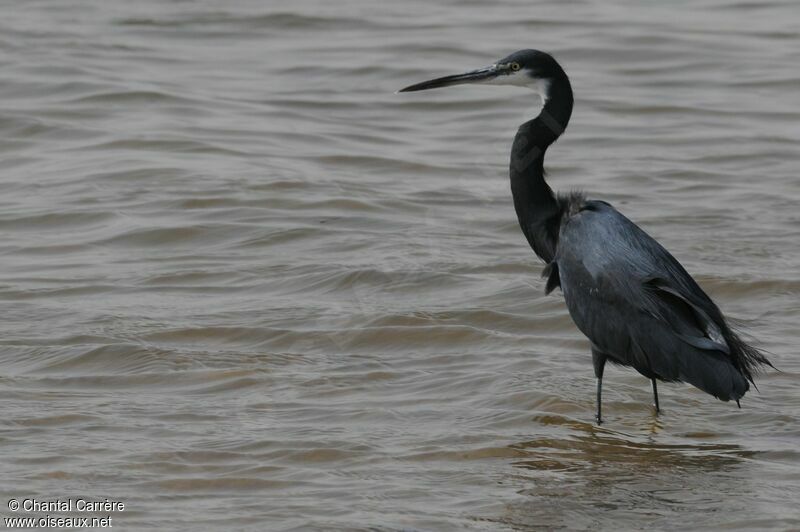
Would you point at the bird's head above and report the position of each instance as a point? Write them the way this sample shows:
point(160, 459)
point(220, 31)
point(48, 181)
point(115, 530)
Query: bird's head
point(526, 68)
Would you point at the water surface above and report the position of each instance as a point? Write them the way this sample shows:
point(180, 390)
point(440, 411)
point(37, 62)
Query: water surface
point(246, 286)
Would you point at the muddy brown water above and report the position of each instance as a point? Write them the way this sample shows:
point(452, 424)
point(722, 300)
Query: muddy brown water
point(246, 286)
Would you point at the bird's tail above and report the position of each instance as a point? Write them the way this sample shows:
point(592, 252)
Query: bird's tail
point(747, 359)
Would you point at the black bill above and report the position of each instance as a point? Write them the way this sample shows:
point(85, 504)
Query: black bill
point(476, 76)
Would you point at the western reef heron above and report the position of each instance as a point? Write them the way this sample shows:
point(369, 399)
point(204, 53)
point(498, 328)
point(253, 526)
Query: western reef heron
point(633, 300)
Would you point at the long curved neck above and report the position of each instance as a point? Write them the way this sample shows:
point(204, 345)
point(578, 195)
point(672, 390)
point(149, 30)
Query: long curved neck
point(537, 207)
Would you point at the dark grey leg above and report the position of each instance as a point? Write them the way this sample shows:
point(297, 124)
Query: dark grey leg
point(599, 361)
point(598, 416)
point(655, 396)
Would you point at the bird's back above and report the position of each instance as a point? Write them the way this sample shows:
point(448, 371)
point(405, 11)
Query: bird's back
point(640, 307)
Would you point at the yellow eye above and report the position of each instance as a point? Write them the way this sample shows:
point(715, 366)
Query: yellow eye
point(514, 66)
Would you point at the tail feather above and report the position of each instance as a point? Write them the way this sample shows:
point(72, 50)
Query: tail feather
point(746, 358)
point(664, 355)
point(713, 373)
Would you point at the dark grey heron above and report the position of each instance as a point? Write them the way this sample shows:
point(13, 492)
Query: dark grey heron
point(633, 300)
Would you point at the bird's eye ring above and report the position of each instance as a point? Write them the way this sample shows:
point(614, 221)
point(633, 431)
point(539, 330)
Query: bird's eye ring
point(514, 66)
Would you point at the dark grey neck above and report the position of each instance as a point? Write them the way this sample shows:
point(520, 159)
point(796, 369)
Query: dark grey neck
point(537, 208)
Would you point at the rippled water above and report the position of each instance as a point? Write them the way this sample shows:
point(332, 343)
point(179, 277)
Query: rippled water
point(245, 285)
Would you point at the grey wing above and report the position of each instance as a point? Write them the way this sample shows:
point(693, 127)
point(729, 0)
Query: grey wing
point(637, 304)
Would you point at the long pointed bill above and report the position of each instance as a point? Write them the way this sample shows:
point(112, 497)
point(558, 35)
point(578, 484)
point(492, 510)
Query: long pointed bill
point(476, 76)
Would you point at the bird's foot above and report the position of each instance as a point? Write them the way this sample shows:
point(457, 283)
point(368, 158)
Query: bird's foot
point(598, 419)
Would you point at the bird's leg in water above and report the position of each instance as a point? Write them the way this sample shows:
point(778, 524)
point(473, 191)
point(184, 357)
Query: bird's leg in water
point(598, 416)
point(599, 361)
point(655, 396)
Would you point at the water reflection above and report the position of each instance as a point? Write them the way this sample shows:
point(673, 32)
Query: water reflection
point(595, 477)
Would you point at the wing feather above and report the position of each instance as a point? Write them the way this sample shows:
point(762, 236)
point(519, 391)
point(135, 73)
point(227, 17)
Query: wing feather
point(637, 303)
